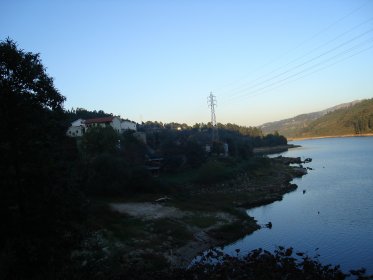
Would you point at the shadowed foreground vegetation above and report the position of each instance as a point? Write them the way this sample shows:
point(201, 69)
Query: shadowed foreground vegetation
point(284, 263)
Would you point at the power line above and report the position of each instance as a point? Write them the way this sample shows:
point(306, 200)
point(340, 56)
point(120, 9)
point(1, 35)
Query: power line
point(284, 81)
point(252, 84)
point(258, 85)
point(323, 30)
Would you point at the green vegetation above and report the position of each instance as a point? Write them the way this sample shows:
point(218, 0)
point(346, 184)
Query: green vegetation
point(81, 113)
point(284, 263)
point(354, 120)
point(201, 221)
point(40, 204)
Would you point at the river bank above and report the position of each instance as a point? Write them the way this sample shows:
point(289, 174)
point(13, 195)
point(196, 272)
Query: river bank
point(329, 136)
point(331, 209)
point(275, 149)
point(171, 230)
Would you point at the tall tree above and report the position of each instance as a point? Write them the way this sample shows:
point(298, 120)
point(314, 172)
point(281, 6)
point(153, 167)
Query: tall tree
point(35, 196)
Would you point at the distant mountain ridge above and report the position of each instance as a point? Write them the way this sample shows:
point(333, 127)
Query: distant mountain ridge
point(338, 120)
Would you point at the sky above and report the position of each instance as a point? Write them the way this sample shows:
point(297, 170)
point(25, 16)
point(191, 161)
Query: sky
point(158, 60)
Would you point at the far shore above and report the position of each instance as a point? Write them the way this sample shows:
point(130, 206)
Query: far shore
point(275, 149)
point(329, 136)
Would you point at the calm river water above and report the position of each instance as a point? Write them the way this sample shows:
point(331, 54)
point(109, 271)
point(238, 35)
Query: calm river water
point(335, 214)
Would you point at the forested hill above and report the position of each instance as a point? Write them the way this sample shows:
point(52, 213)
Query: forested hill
point(354, 120)
point(292, 127)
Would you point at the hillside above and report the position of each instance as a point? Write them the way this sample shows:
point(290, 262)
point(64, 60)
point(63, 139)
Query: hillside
point(354, 120)
point(293, 127)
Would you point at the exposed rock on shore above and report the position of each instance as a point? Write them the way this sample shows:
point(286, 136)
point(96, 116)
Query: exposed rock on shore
point(206, 216)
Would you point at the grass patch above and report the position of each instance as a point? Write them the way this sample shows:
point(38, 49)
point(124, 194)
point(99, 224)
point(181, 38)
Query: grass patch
point(172, 228)
point(213, 171)
point(154, 262)
point(179, 178)
point(201, 221)
point(212, 201)
point(122, 227)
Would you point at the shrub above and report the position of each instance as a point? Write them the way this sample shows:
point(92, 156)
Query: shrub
point(213, 172)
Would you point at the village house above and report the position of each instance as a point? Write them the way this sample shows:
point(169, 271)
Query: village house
point(114, 122)
point(76, 129)
point(80, 126)
point(128, 125)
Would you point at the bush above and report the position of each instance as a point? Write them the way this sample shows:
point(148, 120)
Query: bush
point(143, 182)
point(107, 175)
point(213, 172)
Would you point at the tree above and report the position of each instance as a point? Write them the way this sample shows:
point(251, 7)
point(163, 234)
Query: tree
point(195, 153)
point(133, 150)
point(99, 140)
point(37, 200)
point(81, 113)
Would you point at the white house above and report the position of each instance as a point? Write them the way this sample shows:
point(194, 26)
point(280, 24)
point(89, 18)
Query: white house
point(78, 122)
point(128, 125)
point(76, 129)
point(114, 122)
point(80, 126)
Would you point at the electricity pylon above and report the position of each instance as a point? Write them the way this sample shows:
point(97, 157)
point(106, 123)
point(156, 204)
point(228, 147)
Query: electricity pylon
point(211, 101)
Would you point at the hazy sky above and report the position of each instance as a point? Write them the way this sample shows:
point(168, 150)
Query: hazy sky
point(158, 60)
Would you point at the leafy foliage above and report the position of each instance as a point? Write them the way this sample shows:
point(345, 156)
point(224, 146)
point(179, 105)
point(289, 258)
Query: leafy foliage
point(261, 264)
point(284, 263)
point(292, 127)
point(98, 140)
point(81, 113)
point(354, 120)
point(39, 204)
point(184, 146)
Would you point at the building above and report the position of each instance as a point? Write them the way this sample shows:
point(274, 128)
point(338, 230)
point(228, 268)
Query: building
point(128, 125)
point(114, 122)
point(76, 129)
point(80, 126)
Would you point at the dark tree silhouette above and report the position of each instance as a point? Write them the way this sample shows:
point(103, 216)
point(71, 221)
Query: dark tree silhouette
point(99, 140)
point(37, 202)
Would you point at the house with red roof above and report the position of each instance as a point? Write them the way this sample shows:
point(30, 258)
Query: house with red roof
point(80, 126)
point(114, 122)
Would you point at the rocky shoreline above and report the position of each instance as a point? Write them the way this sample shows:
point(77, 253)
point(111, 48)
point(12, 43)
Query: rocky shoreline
point(275, 149)
point(179, 228)
point(272, 191)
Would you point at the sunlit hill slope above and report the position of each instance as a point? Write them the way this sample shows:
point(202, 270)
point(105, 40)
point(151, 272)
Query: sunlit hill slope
point(354, 118)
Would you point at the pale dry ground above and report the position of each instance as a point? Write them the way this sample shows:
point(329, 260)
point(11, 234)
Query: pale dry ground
point(152, 211)
point(148, 210)
point(181, 256)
